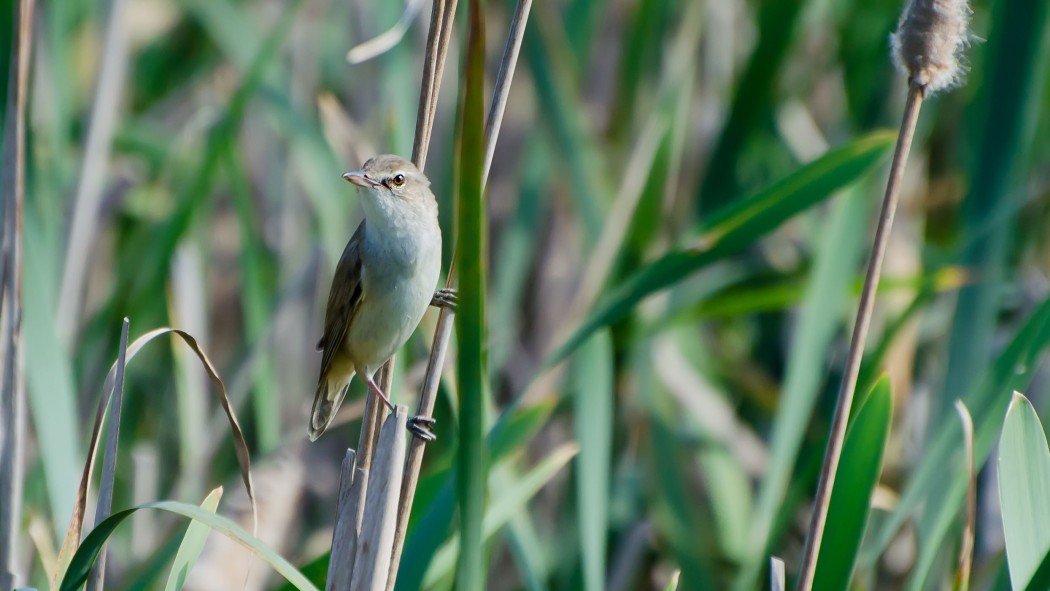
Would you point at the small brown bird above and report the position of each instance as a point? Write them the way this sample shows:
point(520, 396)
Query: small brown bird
point(383, 284)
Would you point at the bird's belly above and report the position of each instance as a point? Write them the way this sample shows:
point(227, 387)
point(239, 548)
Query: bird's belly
point(387, 317)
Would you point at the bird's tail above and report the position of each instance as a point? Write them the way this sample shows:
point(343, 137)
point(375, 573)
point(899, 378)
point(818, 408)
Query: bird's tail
point(326, 402)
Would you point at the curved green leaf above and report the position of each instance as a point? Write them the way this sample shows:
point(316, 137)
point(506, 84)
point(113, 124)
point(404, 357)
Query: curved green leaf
point(88, 551)
point(192, 544)
point(1024, 478)
point(737, 226)
point(851, 494)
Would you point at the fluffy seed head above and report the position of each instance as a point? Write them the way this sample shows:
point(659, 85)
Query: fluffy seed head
point(929, 41)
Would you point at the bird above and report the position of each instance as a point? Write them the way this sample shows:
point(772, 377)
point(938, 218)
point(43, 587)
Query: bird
point(383, 284)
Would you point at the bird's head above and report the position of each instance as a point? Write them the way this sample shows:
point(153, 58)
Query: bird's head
point(394, 184)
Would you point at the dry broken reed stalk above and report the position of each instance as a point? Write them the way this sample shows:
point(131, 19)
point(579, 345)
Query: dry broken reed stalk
point(927, 47)
point(364, 531)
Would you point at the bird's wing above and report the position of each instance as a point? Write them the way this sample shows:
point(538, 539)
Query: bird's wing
point(344, 298)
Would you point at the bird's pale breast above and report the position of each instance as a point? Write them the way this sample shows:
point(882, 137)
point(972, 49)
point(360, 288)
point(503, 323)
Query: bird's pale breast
point(392, 305)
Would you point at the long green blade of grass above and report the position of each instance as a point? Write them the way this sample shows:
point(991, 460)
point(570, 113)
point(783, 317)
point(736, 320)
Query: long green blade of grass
point(49, 376)
point(471, 241)
point(571, 141)
point(92, 544)
point(192, 545)
point(258, 298)
point(646, 32)
point(735, 227)
point(851, 493)
point(594, 400)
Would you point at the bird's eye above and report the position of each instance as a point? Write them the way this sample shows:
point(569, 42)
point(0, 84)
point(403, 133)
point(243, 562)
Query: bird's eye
point(398, 180)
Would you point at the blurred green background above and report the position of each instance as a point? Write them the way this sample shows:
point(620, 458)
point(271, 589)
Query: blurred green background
point(184, 168)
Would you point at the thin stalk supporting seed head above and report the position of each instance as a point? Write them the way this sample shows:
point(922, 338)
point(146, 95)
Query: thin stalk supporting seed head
point(927, 46)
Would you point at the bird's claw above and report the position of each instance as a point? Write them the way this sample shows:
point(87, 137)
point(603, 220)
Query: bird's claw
point(420, 426)
point(445, 298)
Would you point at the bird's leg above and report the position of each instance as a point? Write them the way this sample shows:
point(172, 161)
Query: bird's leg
point(375, 390)
point(418, 426)
point(445, 298)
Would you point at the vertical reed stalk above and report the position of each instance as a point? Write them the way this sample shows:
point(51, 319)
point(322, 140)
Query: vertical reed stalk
point(12, 377)
point(371, 562)
point(344, 534)
point(860, 334)
point(438, 38)
point(443, 331)
point(927, 46)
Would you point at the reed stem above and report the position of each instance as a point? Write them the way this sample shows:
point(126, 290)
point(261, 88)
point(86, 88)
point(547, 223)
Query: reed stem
point(846, 393)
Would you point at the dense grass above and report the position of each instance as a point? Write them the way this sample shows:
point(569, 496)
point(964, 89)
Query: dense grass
point(654, 311)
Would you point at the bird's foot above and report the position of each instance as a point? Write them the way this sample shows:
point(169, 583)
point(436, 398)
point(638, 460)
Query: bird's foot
point(420, 426)
point(445, 298)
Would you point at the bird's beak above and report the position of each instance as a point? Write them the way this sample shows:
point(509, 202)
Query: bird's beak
point(358, 178)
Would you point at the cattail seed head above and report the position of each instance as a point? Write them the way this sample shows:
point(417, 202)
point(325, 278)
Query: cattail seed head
point(929, 41)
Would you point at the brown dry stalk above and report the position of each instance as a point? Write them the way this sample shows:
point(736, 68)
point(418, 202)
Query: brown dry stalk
point(927, 47)
point(860, 334)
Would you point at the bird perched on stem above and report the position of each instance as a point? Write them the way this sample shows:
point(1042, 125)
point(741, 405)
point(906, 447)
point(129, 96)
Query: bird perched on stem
point(383, 284)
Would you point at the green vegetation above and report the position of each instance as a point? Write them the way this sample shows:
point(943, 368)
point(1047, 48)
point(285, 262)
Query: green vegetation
point(657, 283)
